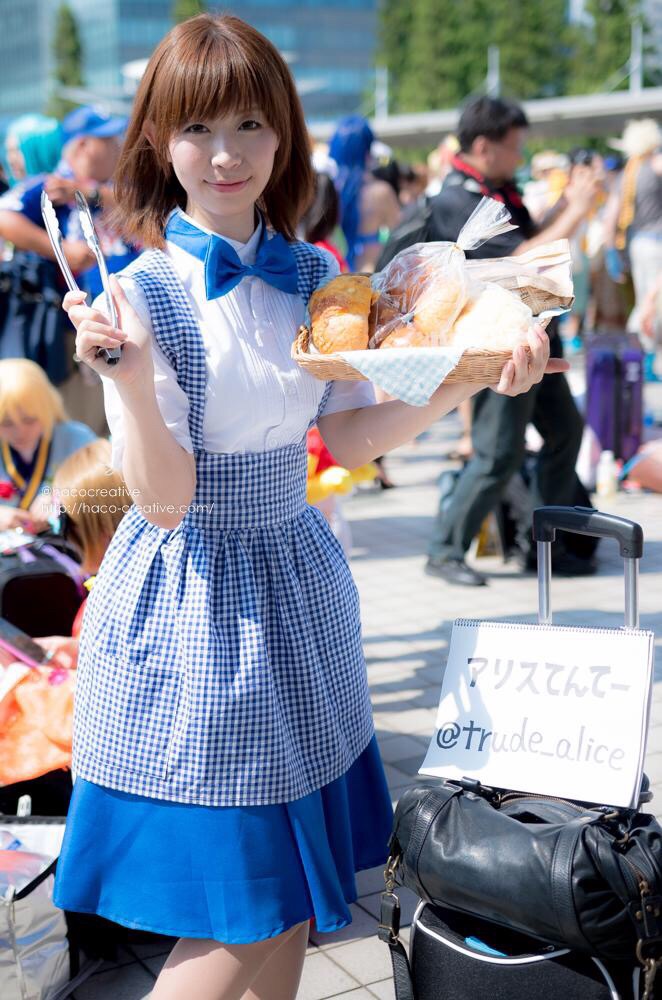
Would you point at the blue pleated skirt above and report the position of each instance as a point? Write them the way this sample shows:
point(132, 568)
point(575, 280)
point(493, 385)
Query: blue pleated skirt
point(231, 874)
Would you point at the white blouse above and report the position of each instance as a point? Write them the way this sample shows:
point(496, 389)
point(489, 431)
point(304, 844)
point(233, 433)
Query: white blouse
point(258, 399)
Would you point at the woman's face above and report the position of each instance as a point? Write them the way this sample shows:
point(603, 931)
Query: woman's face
point(15, 158)
point(22, 433)
point(224, 165)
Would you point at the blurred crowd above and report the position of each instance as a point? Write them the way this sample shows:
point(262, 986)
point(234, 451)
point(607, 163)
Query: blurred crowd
point(367, 200)
point(608, 206)
point(379, 191)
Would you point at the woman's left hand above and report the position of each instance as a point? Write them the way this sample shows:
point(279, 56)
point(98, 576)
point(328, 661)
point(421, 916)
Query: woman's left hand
point(523, 370)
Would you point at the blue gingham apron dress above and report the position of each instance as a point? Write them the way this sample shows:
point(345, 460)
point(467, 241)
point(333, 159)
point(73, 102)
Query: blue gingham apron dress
point(228, 783)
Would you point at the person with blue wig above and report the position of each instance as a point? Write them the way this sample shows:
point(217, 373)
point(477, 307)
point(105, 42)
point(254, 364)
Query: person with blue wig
point(367, 205)
point(33, 146)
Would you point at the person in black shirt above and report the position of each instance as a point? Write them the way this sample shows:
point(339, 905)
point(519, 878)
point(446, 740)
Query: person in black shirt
point(491, 135)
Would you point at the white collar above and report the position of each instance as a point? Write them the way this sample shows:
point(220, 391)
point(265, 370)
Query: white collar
point(245, 251)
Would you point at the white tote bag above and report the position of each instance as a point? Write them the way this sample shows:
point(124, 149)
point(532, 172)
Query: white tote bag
point(34, 951)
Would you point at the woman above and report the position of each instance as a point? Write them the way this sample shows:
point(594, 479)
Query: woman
point(224, 739)
point(367, 205)
point(35, 438)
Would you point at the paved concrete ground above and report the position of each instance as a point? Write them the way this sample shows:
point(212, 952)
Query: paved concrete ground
point(407, 621)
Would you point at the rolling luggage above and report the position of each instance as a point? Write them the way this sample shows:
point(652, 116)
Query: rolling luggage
point(614, 391)
point(462, 958)
point(527, 895)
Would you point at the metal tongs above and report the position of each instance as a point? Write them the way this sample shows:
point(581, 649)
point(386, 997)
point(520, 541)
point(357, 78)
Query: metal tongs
point(113, 354)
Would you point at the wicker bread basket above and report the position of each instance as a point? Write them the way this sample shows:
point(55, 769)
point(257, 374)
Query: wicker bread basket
point(474, 366)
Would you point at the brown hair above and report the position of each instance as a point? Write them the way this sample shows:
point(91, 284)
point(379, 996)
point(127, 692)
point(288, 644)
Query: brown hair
point(94, 496)
point(204, 68)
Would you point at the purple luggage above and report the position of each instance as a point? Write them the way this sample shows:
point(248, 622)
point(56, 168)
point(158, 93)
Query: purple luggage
point(614, 391)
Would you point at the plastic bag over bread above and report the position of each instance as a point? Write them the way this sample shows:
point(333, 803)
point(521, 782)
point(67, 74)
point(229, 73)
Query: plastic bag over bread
point(541, 278)
point(430, 295)
point(423, 290)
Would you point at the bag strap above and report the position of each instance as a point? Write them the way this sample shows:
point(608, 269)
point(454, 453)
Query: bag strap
point(561, 883)
point(37, 880)
point(402, 981)
point(645, 908)
point(70, 567)
point(387, 931)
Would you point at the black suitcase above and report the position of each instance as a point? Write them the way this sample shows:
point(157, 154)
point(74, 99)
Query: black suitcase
point(456, 957)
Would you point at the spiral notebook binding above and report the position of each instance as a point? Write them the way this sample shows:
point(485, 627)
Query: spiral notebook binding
point(537, 627)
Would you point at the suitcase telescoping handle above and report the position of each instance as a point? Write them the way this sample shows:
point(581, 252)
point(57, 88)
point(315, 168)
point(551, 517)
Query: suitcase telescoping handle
point(587, 521)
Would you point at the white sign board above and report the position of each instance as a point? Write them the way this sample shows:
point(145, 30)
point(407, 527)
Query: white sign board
point(545, 709)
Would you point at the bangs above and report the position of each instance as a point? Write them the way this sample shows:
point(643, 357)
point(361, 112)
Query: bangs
point(206, 68)
point(26, 391)
point(207, 74)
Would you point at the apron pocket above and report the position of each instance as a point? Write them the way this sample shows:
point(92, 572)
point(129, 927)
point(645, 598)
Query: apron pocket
point(135, 704)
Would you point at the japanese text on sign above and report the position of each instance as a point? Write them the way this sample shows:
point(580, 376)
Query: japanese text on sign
point(571, 722)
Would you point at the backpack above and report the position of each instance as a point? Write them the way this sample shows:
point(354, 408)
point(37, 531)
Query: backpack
point(33, 324)
point(41, 587)
point(415, 228)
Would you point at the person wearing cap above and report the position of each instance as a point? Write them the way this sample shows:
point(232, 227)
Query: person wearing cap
point(549, 176)
point(636, 231)
point(90, 152)
point(92, 142)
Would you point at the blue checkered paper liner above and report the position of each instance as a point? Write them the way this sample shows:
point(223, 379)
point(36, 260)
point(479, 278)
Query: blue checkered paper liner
point(409, 373)
point(413, 373)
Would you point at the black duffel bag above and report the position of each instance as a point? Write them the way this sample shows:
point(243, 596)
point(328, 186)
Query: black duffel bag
point(576, 876)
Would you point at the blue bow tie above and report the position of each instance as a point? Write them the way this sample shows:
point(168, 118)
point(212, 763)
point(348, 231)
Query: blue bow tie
point(274, 262)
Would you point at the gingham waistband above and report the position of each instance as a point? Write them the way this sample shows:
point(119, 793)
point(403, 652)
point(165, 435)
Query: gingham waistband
point(249, 490)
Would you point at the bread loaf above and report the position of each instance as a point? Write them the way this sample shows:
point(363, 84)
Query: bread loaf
point(494, 319)
point(339, 314)
point(408, 335)
point(439, 305)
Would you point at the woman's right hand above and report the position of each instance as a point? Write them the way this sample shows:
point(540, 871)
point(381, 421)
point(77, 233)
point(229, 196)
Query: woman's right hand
point(94, 330)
